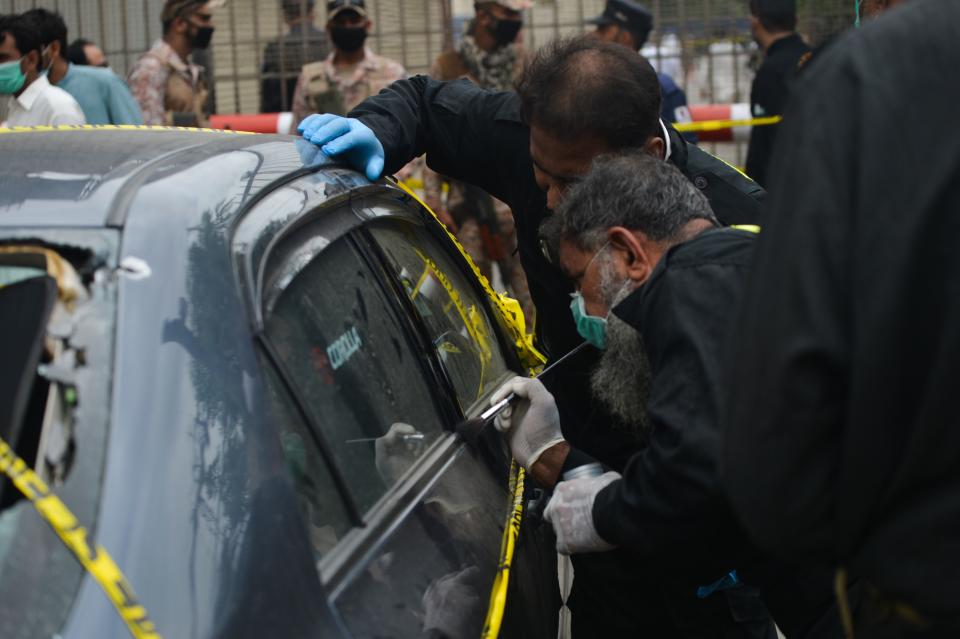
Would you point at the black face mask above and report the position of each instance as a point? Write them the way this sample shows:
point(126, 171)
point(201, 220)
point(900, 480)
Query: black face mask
point(200, 39)
point(348, 39)
point(505, 31)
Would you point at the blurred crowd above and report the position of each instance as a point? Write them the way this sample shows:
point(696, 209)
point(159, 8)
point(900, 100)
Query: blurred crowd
point(49, 80)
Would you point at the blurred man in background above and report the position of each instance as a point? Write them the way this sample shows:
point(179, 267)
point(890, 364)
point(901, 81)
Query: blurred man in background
point(86, 53)
point(841, 436)
point(284, 57)
point(351, 73)
point(488, 56)
point(773, 23)
point(629, 23)
point(103, 96)
point(170, 89)
point(34, 101)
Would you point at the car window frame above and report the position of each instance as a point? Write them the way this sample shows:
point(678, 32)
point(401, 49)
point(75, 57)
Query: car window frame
point(437, 232)
point(369, 528)
point(477, 405)
point(344, 216)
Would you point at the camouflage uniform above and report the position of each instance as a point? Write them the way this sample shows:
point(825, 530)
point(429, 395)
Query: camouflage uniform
point(321, 88)
point(169, 90)
point(485, 225)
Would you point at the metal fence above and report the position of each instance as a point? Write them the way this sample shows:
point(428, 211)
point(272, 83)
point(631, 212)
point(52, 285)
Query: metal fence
point(704, 44)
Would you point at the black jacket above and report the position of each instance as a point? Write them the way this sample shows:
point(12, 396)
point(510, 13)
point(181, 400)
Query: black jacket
point(669, 510)
point(848, 366)
point(768, 96)
point(477, 136)
point(669, 506)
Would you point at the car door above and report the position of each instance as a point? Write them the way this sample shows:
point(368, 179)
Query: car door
point(376, 344)
point(457, 315)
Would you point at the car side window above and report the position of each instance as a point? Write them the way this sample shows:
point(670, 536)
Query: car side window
point(449, 306)
point(321, 504)
point(353, 366)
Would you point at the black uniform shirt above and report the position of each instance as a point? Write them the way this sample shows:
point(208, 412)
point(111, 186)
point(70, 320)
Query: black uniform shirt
point(669, 512)
point(844, 428)
point(668, 507)
point(477, 136)
point(768, 96)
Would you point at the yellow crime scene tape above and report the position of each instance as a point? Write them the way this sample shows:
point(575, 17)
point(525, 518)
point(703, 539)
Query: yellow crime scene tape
point(720, 125)
point(509, 308)
point(115, 127)
point(508, 545)
point(96, 561)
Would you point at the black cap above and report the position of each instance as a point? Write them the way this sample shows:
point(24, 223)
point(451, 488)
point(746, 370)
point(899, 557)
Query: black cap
point(774, 7)
point(632, 16)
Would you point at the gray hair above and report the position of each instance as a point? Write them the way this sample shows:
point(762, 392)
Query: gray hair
point(636, 191)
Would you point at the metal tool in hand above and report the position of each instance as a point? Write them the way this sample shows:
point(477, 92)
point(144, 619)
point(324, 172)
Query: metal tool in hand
point(408, 437)
point(495, 410)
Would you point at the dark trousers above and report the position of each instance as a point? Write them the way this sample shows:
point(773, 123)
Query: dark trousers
point(879, 616)
point(613, 596)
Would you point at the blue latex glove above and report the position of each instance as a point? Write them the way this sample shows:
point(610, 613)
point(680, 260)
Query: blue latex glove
point(349, 137)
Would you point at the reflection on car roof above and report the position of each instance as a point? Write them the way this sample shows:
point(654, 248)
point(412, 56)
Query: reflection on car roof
point(86, 176)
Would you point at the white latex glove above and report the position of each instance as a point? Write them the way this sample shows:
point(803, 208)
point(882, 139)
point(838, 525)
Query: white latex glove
point(396, 451)
point(453, 606)
point(532, 424)
point(571, 512)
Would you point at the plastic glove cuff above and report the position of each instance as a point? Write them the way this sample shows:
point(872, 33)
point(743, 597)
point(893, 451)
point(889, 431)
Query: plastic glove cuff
point(535, 455)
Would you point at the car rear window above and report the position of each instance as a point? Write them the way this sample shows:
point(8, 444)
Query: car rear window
point(352, 364)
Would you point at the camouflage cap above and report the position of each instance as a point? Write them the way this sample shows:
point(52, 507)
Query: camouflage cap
point(173, 9)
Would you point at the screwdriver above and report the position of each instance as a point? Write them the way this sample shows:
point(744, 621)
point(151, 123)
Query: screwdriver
point(408, 437)
point(470, 428)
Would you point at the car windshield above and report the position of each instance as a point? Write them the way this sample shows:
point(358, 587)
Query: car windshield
point(56, 324)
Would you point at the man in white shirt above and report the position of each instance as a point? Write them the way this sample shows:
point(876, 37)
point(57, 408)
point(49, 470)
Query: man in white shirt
point(34, 101)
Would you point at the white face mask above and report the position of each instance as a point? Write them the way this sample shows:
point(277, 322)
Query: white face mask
point(43, 55)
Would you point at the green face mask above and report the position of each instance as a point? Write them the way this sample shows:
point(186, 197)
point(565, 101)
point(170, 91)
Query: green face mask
point(591, 327)
point(11, 78)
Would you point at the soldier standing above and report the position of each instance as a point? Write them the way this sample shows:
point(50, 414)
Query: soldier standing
point(171, 89)
point(489, 56)
point(351, 72)
point(284, 57)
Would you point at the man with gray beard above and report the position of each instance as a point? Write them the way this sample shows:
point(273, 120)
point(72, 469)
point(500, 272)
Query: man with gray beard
point(657, 284)
point(621, 379)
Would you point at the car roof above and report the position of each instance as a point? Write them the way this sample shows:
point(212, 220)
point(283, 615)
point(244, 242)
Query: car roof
point(88, 176)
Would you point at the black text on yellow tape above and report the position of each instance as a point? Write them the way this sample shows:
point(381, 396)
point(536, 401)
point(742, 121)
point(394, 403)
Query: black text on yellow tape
point(95, 561)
